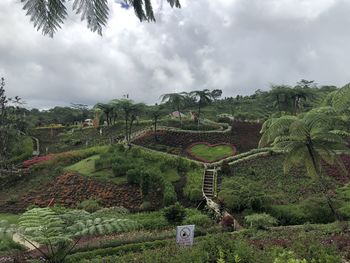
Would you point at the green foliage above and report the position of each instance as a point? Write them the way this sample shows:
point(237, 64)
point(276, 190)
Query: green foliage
point(8, 245)
point(101, 226)
point(90, 205)
point(175, 214)
point(44, 226)
point(198, 220)
point(240, 193)
point(288, 257)
point(292, 214)
point(48, 17)
point(260, 221)
point(134, 175)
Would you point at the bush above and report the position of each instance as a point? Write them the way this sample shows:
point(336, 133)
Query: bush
point(146, 206)
point(196, 194)
point(288, 214)
point(120, 169)
point(90, 205)
point(288, 257)
point(261, 221)
point(225, 169)
point(198, 220)
point(316, 210)
point(169, 195)
point(175, 214)
point(151, 181)
point(241, 193)
point(134, 175)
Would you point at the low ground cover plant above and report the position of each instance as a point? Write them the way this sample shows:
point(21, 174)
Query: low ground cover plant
point(206, 152)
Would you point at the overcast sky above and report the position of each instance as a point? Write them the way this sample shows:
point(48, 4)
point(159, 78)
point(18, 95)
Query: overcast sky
point(238, 46)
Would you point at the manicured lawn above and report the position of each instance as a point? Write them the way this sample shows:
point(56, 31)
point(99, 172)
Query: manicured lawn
point(85, 167)
point(211, 153)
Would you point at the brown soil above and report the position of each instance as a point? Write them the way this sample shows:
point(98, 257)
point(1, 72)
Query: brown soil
point(70, 189)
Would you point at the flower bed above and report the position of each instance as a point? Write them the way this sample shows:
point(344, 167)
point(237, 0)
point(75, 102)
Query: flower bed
point(208, 153)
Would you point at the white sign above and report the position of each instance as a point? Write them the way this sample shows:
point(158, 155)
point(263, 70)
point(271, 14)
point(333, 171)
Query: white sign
point(185, 235)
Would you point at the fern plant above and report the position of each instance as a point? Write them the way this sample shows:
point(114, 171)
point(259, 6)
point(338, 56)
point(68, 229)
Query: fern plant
point(55, 233)
point(307, 141)
point(49, 15)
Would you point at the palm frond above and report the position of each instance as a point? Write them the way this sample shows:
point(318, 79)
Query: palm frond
point(175, 3)
point(47, 15)
point(341, 99)
point(94, 11)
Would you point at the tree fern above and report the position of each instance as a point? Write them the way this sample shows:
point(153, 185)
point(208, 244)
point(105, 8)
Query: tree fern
point(307, 140)
point(49, 15)
point(341, 99)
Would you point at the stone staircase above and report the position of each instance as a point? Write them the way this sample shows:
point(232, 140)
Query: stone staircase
point(209, 183)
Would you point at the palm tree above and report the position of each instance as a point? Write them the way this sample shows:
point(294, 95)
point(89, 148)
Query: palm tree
point(175, 99)
point(107, 109)
point(203, 97)
point(48, 16)
point(130, 111)
point(307, 141)
point(155, 113)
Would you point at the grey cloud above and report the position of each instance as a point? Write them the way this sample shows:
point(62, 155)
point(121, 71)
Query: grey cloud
point(235, 45)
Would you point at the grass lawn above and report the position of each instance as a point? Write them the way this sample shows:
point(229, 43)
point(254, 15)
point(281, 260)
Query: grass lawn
point(211, 153)
point(87, 167)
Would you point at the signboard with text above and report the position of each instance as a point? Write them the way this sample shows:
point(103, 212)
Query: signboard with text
point(185, 235)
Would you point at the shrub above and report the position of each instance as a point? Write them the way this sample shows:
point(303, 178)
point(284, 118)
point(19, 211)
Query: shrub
point(151, 181)
point(288, 214)
point(288, 257)
point(261, 221)
point(175, 214)
point(120, 169)
point(317, 210)
point(90, 205)
point(169, 195)
point(241, 193)
point(198, 220)
point(196, 194)
point(225, 169)
point(146, 206)
point(134, 175)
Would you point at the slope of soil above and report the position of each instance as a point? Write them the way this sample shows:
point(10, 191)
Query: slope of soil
point(70, 189)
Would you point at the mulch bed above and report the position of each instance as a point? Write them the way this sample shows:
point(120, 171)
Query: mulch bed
point(70, 189)
point(245, 136)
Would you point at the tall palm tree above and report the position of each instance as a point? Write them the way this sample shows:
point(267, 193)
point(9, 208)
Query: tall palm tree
point(155, 113)
point(307, 141)
point(177, 100)
point(107, 109)
point(48, 16)
point(130, 111)
point(203, 97)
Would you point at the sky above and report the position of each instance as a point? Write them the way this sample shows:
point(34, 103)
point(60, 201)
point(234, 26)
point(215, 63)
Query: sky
point(238, 46)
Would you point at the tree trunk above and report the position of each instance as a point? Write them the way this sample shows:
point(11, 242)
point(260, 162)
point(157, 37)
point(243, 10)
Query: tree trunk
point(322, 183)
point(155, 128)
point(199, 114)
point(126, 129)
point(178, 110)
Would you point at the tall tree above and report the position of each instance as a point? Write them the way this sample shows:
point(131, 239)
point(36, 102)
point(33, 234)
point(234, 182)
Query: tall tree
point(130, 111)
point(307, 141)
point(177, 100)
point(49, 15)
point(203, 97)
point(107, 109)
